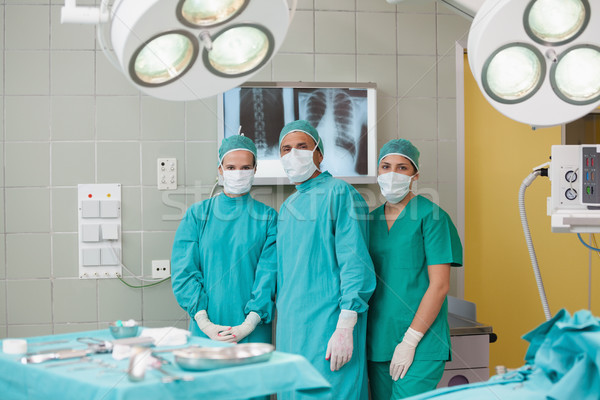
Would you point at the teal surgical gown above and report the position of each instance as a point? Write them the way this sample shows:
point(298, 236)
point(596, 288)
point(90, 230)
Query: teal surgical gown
point(324, 267)
point(422, 235)
point(224, 261)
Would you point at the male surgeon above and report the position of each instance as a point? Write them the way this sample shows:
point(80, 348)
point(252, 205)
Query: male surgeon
point(325, 275)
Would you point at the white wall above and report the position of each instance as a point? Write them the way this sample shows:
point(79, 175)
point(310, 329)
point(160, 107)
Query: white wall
point(69, 117)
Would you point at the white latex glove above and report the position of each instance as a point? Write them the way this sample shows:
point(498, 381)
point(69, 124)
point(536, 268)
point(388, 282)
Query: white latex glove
point(341, 344)
point(239, 332)
point(404, 354)
point(213, 331)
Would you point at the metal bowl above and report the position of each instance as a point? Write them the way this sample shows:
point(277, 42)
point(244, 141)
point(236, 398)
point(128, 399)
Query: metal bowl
point(205, 358)
point(120, 331)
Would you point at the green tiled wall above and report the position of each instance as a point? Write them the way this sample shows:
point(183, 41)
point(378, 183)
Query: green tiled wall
point(67, 116)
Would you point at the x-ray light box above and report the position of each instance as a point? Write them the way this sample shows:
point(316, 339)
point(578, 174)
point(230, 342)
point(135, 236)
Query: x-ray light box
point(345, 114)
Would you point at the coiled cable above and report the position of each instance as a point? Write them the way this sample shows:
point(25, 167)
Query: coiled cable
point(534, 263)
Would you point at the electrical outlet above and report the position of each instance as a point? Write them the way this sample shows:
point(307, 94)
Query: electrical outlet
point(166, 173)
point(161, 269)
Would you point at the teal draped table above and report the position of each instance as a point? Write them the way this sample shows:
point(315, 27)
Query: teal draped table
point(104, 378)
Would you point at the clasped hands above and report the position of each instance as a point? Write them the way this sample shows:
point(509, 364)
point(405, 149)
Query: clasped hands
point(229, 334)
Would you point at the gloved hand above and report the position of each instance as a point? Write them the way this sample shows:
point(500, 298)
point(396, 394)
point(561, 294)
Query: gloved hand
point(404, 354)
point(341, 344)
point(246, 327)
point(213, 331)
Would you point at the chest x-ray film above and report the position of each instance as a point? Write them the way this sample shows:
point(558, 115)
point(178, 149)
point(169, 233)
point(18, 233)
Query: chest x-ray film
point(344, 116)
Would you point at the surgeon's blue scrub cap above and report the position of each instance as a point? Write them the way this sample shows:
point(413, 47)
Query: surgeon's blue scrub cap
point(236, 142)
point(302, 126)
point(401, 147)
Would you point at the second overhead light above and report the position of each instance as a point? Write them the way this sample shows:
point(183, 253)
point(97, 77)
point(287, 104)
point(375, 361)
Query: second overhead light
point(537, 61)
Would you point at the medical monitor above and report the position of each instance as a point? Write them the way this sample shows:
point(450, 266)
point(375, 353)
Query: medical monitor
point(343, 113)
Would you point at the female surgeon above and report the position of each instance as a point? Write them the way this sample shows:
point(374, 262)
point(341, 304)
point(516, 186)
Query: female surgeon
point(224, 261)
point(413, 244)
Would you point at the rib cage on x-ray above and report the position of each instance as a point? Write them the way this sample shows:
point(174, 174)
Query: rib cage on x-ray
point(342, 114)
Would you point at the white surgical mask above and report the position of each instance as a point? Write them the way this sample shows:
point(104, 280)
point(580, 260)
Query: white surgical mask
point(299, 165)
point(238, 181)
point(394, 186)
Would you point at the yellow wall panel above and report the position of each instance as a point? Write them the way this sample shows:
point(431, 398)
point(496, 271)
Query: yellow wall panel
point(499, 154)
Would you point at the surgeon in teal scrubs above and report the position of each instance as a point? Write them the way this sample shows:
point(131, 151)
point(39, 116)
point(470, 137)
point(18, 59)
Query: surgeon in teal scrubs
point(325, 275)
point(413, 244)
point(224, 260)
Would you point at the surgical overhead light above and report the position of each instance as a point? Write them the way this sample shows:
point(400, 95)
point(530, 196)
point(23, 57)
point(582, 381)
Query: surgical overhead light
point(538, 61)
point(576, 79)
point(513, 73)
point(238, 50)
point(556, 21)
point(163, 59)
point(199, 13)
point(186, 49)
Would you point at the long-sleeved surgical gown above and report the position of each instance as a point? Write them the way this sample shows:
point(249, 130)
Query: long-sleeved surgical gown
point(324, 267)
point(224, 261)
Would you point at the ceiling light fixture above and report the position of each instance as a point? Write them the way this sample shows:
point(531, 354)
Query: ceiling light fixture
point(186, 49)
point(537, 61)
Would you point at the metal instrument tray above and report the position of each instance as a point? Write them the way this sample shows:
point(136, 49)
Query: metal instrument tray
point(207, 358)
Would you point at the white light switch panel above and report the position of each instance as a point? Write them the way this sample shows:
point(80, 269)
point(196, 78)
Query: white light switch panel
point(99, 212)
point(167, 173)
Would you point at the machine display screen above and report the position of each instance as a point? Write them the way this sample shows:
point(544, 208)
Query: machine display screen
point(590, 179)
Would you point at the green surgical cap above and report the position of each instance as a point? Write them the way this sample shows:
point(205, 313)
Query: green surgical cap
point(301, 126)
point(400, 147)
point(236, 142)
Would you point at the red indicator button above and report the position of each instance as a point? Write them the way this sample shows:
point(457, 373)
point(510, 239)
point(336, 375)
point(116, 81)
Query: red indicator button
point(90, 195)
